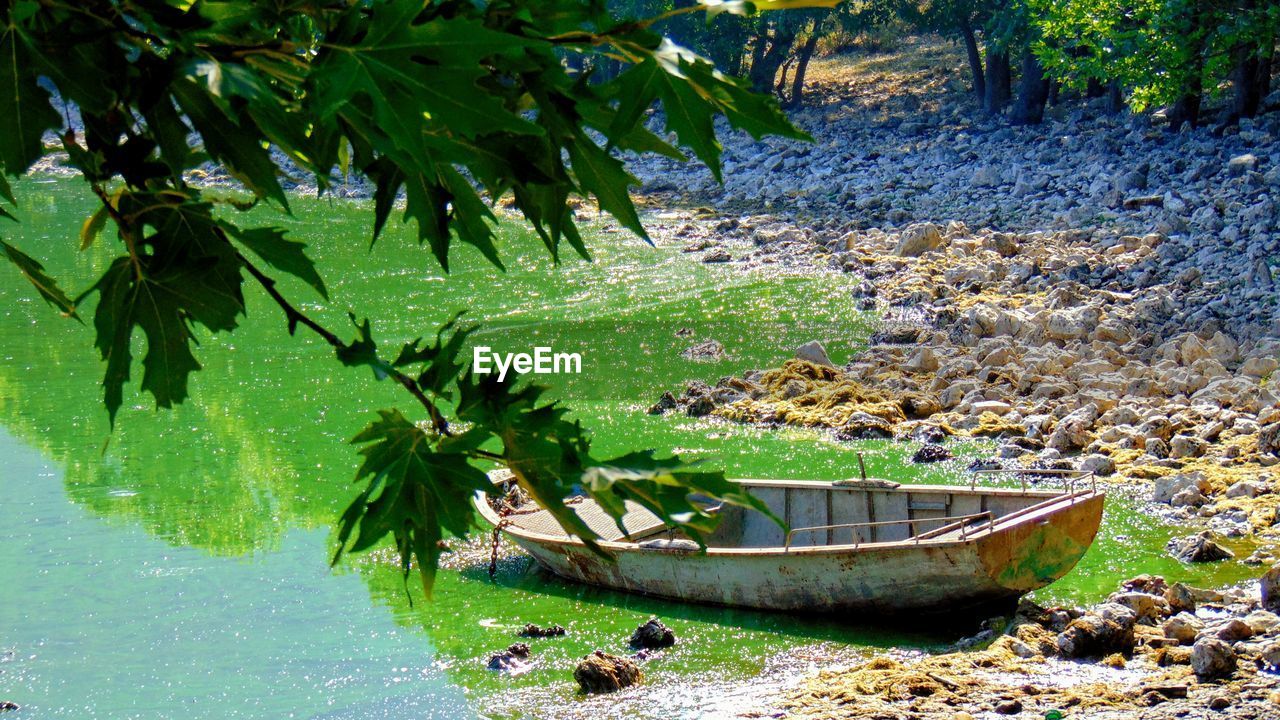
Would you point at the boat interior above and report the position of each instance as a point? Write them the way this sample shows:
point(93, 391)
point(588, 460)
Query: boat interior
point(851, 512)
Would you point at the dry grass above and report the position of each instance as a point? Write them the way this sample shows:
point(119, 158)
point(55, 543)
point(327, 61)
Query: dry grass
point(921, 74)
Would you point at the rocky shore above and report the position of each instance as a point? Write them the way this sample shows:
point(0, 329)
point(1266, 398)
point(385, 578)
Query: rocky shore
point(1161, 651)
point(1096, 293)
point(899, 140)
point(1020, 338)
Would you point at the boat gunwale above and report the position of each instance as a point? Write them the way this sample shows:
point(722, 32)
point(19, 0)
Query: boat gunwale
point(1047, 507)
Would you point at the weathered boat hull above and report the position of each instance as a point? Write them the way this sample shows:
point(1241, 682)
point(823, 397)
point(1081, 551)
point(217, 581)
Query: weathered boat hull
point(989, 567)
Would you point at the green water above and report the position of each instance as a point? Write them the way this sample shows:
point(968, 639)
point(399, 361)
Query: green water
point(176, 567)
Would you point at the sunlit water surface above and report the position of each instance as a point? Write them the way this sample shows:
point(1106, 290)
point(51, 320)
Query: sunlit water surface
point(176, 567)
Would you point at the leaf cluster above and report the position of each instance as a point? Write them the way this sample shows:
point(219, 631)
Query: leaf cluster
point(419, 479)
point(444, 107)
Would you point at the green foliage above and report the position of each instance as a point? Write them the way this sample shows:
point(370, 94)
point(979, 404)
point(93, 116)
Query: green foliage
point(420, 479)
point(181, 271)
point(24, 104)
point(46, 286)
point(1161, 49)
point(419, 486)
point(449, 105)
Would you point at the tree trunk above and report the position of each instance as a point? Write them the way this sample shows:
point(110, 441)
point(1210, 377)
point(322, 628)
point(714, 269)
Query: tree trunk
point(802, 65)
point(975, 58)
point(1265, 67)
point(1115, 98)
point(998, 82)
point(1251, 78)
point(781, 87)
point(1185, 111)
point(763, 72)
point(734, 64)
point(757, 54)
point(1246, 95)
point(1033, 92)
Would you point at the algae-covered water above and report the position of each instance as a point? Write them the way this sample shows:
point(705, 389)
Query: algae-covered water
point(176, 567)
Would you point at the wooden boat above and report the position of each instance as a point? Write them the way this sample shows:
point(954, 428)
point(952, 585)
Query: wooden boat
point(871, 546)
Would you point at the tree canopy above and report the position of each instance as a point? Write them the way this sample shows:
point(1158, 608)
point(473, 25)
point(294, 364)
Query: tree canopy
point(444, 107)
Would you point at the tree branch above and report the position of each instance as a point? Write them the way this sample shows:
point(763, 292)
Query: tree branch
point(296, 317)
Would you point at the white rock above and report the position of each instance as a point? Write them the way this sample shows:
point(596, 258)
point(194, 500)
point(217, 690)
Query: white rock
point(1166, 487)
point(1009, 450)
point(813, 352)
point(1246, 488)
point(1269, 585)
point(1072, 431)
point(985, 176)
point(923, 361)
point(1182, 446)
point(1183, 627)
point(1259, 366)
point(1224, 348)
point(998, 407)
point(1270, 655)
point(918, 240)
point(1188, 497)
point(1212, 658)
point(1192, 350)
point(1098, 464)
point(1261, 621)
point(1144, 605)
point(1071, 324)
point(1242, 164)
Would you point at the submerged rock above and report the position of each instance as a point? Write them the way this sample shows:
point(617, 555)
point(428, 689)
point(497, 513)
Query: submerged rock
point(700, 406)
point(1149, 584)
point(665, 403)
point(534, 631)
point(931, 453)
point(512, 660)
point(653, 634)
point(1201, 547)
point(706, 351)
point(601, 672)
point(863, 426)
